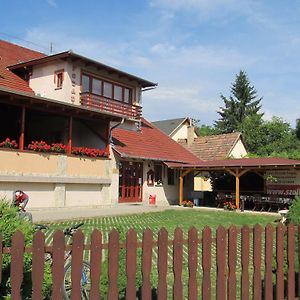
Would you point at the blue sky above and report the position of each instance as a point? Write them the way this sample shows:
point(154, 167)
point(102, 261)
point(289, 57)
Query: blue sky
point(192, 48)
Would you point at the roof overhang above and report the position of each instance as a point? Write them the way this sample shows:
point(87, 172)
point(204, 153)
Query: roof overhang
point(244, 163)
point(76, 57)
point(45, 104)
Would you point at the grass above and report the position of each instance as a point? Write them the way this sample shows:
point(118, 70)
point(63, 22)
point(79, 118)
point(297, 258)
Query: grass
point(170, 219)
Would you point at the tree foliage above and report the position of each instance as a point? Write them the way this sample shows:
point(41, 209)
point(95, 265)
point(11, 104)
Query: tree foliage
point(242, 102)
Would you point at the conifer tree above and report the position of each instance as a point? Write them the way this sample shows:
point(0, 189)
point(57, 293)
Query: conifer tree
point(242, 102)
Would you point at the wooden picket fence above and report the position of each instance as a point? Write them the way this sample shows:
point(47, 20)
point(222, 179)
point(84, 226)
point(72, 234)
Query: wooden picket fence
point(257, 249)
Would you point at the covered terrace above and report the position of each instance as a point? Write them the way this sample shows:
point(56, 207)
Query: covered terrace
point(238, 168)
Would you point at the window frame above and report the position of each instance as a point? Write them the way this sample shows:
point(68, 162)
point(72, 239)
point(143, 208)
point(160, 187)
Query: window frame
point(113, 84)
point(59, 79)
point(158, 174)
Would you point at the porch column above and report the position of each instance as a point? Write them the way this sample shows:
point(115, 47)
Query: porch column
point(69, 147)
point(237, 174)
point(22, 129)
point(182, 175)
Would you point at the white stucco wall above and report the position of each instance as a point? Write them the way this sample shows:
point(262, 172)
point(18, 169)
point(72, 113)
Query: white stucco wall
point(182, 132)
point(238, 150)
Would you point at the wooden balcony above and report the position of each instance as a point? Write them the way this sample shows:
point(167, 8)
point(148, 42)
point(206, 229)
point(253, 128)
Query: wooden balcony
point(101, 103)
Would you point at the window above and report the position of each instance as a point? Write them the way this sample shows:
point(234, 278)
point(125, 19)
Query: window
point(107, 90)
point(110, 90)
point(97, 86)
point(158, 174)
point(171, 177)
point(58, 78)
point(85, 83)
point(118, 93)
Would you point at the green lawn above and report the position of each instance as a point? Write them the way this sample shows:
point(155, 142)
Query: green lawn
point(170, 219)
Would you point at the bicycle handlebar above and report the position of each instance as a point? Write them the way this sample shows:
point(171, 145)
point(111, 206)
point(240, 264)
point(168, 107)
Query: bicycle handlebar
point(41, 227)
point(72, 229)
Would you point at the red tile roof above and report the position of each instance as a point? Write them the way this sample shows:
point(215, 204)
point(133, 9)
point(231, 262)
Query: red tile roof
point(12, 54)
point(242, 162)
point(150, 143)
point(212, 147)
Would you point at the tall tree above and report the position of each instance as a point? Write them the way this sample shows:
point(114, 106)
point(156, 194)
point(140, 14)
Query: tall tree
point(242, 102)
point(298, 128)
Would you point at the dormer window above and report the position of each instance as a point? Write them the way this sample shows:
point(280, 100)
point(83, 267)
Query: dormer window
point(58, 79)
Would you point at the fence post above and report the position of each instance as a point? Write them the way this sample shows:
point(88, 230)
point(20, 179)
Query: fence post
point(16, 268)
point(232, 254)
point(268, 291)
point(131, 257)
point(95, 261)
point(206, 263)
point(221, 263)
point(146, 264)
point(77, 264)
point(280, 259)
point(113, 264)
point(58, 264)
point(291, 262)
point(162, 265)
point(38, 264)
point(257, 286)
point(177, 264)
point(193, 262)
point(245, 241)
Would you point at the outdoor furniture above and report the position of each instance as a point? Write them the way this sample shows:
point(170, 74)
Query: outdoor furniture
point(257, 202)
point(220, 200)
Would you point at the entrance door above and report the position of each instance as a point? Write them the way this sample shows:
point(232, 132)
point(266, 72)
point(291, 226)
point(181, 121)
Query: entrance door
point(130, 181)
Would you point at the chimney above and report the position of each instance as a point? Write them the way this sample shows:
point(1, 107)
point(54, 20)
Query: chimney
point(190, 135)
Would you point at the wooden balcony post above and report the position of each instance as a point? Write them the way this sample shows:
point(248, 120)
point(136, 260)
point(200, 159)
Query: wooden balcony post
point(69, 147)
point(22, 129)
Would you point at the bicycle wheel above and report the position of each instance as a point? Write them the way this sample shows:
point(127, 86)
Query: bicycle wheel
point(85, 284)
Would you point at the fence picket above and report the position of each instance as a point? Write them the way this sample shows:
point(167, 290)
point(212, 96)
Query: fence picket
point(245, 241)
point(268, 291)
point(280, 260)
point(95, 262)
point(206, 263)
point(221, 263)
point(232, 254)
point(58, 264)
point(113, 265)
point(162, 264)
point(291, 262)
point(1, 254)
point(77, 260)
point(146, 264)
point(177, 264)
point(257, 248)
point(193, 262)
point(16, 268)
point(38, 264)
point(131, 257)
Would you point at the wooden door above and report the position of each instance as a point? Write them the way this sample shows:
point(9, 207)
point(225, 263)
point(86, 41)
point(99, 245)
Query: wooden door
point(130, 182)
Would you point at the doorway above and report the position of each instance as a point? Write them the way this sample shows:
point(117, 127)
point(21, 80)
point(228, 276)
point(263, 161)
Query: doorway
point(130, 182)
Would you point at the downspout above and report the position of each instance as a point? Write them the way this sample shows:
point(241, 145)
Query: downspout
point(112, 128)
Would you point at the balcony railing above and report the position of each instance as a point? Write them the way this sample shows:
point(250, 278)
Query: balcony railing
point(101, 103)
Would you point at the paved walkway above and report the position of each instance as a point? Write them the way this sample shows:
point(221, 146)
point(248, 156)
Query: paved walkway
point(68, 213)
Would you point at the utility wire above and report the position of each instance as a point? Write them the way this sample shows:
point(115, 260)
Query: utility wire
point(18, 38)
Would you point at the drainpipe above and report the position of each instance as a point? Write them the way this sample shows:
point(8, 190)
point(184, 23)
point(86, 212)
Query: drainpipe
point(111, 129)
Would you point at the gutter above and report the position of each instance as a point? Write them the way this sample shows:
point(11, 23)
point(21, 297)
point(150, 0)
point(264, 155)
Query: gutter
point(112, 128)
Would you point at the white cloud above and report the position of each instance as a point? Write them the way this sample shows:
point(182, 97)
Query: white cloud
point(52, 3)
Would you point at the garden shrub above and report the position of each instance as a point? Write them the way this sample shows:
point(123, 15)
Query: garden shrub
point(10, 222)
point(294, 212)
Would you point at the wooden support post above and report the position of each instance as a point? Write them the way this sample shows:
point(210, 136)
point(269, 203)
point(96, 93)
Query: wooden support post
point(237, 191)
point(180, 190)
point(108, 140)
point(69, 147)
point(22, 129)
point(182, 174)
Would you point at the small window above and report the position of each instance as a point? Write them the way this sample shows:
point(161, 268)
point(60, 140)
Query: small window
point(127, 95)
point(97, 86)
point(118, 93)
point(59, 79)
point(107, 90)
point(171, 177)
point(158, 174)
